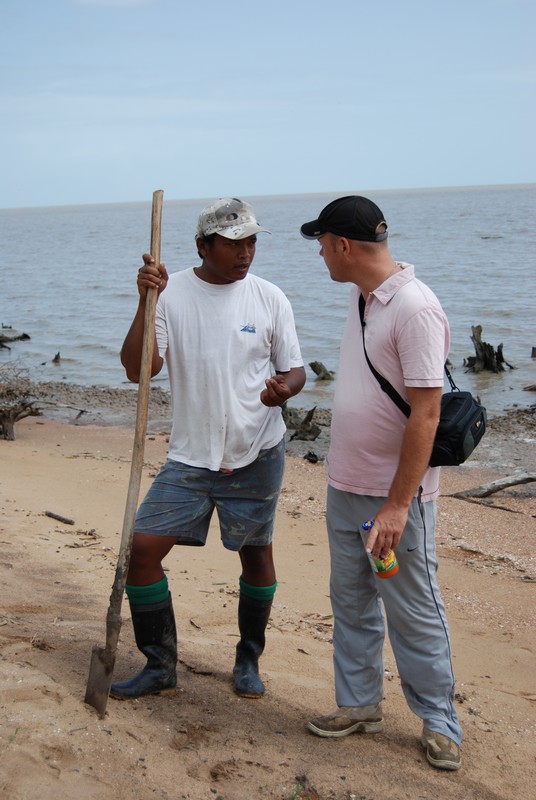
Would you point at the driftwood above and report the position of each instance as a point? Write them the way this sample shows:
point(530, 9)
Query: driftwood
point(291, 416)
point(65, 520)
point(497, 486)
point(8, 418)
point(307, 430)
point(16, 399)
point(4, 339)
point(322, 373)
point(477, 494)
point(486, 357)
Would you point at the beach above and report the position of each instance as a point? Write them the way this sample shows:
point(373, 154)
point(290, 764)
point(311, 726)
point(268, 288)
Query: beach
point(203, 741)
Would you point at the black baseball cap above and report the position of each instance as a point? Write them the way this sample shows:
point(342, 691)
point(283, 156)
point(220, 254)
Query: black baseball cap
point(353, 217)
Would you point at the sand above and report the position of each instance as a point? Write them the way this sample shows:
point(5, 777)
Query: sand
point(202, 741)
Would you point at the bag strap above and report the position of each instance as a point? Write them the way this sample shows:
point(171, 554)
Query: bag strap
point(451, 380)
point(390, 390)
point(384, 383)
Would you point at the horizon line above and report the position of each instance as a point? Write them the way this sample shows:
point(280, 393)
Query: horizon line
point(341, 192)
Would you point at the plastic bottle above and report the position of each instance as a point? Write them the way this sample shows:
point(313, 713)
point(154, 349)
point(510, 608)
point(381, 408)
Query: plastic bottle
point(384, 567)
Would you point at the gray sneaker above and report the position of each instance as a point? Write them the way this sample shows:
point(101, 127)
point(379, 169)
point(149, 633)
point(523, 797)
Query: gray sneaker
point(346, 720)
point(441, 752)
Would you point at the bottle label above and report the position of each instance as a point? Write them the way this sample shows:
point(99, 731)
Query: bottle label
point(382, 565)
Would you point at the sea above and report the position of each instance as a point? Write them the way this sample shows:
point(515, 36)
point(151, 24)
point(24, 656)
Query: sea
point(69, 280)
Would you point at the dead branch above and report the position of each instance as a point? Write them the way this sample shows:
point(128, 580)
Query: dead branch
point(65, 520)
point(486, 503)
point(4, 339)
point(496, 486)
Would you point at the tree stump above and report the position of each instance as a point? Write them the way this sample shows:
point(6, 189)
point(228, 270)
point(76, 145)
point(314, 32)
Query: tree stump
point(308, 430)
point(486, 357)
point(321, 372)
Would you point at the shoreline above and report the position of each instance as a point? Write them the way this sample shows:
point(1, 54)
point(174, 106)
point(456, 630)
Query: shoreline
point(514, 430)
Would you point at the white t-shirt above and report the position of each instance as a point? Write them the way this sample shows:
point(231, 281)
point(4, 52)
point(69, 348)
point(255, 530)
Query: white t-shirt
point(407, 340)
point(220, 343)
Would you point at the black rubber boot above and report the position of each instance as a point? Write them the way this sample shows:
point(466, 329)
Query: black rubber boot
point(253, 616)
point(156, 637)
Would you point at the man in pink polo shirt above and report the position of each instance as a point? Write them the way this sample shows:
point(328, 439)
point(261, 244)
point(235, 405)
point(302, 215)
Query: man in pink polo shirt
point(378, 470)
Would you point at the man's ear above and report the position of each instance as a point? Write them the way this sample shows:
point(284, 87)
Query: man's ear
point(201, 246)
point(344, 244)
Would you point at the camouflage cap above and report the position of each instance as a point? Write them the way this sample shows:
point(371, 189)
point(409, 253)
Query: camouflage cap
point(229, 217)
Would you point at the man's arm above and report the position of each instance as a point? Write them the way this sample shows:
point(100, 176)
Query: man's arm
point(413, 462)
point(149, 276)
point(133, 345)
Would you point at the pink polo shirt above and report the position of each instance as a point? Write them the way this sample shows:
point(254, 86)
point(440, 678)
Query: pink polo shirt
point(407, 340)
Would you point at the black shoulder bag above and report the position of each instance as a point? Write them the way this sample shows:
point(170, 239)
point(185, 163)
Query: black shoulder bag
point(462, 421)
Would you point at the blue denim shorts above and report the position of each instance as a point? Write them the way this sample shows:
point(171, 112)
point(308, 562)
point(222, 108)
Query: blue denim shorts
point(181, 501)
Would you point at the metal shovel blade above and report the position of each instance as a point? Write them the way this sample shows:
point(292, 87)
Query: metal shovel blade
point(101, 669)
point(102, 663)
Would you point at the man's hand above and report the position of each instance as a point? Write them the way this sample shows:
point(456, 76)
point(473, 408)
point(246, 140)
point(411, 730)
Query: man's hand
point(386, 532)
point(276, 392)
point(151, 277)
point(283, 385)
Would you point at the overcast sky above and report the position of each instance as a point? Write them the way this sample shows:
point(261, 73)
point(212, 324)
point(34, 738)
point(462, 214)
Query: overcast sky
point(108, 100)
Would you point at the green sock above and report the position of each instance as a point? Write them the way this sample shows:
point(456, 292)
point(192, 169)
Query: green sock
point(257, 592)
point(148, 595)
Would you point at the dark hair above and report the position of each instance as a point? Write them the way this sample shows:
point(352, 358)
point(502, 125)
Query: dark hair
point(208, 240)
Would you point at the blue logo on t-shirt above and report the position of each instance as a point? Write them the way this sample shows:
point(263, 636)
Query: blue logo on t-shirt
point(248, 328)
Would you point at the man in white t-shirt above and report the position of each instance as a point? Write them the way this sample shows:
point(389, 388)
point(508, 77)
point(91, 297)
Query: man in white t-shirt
point(378, 472)
point(233, 358)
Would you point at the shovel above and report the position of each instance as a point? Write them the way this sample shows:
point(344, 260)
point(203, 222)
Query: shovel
point(103, 658)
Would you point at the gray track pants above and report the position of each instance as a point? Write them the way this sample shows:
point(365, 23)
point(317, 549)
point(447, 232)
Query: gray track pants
point(413, 606)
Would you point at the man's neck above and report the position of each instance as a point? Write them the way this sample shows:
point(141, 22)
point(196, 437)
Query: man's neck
point(378, 274)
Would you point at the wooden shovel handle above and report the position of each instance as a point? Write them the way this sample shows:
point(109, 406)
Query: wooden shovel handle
point(113, 620)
